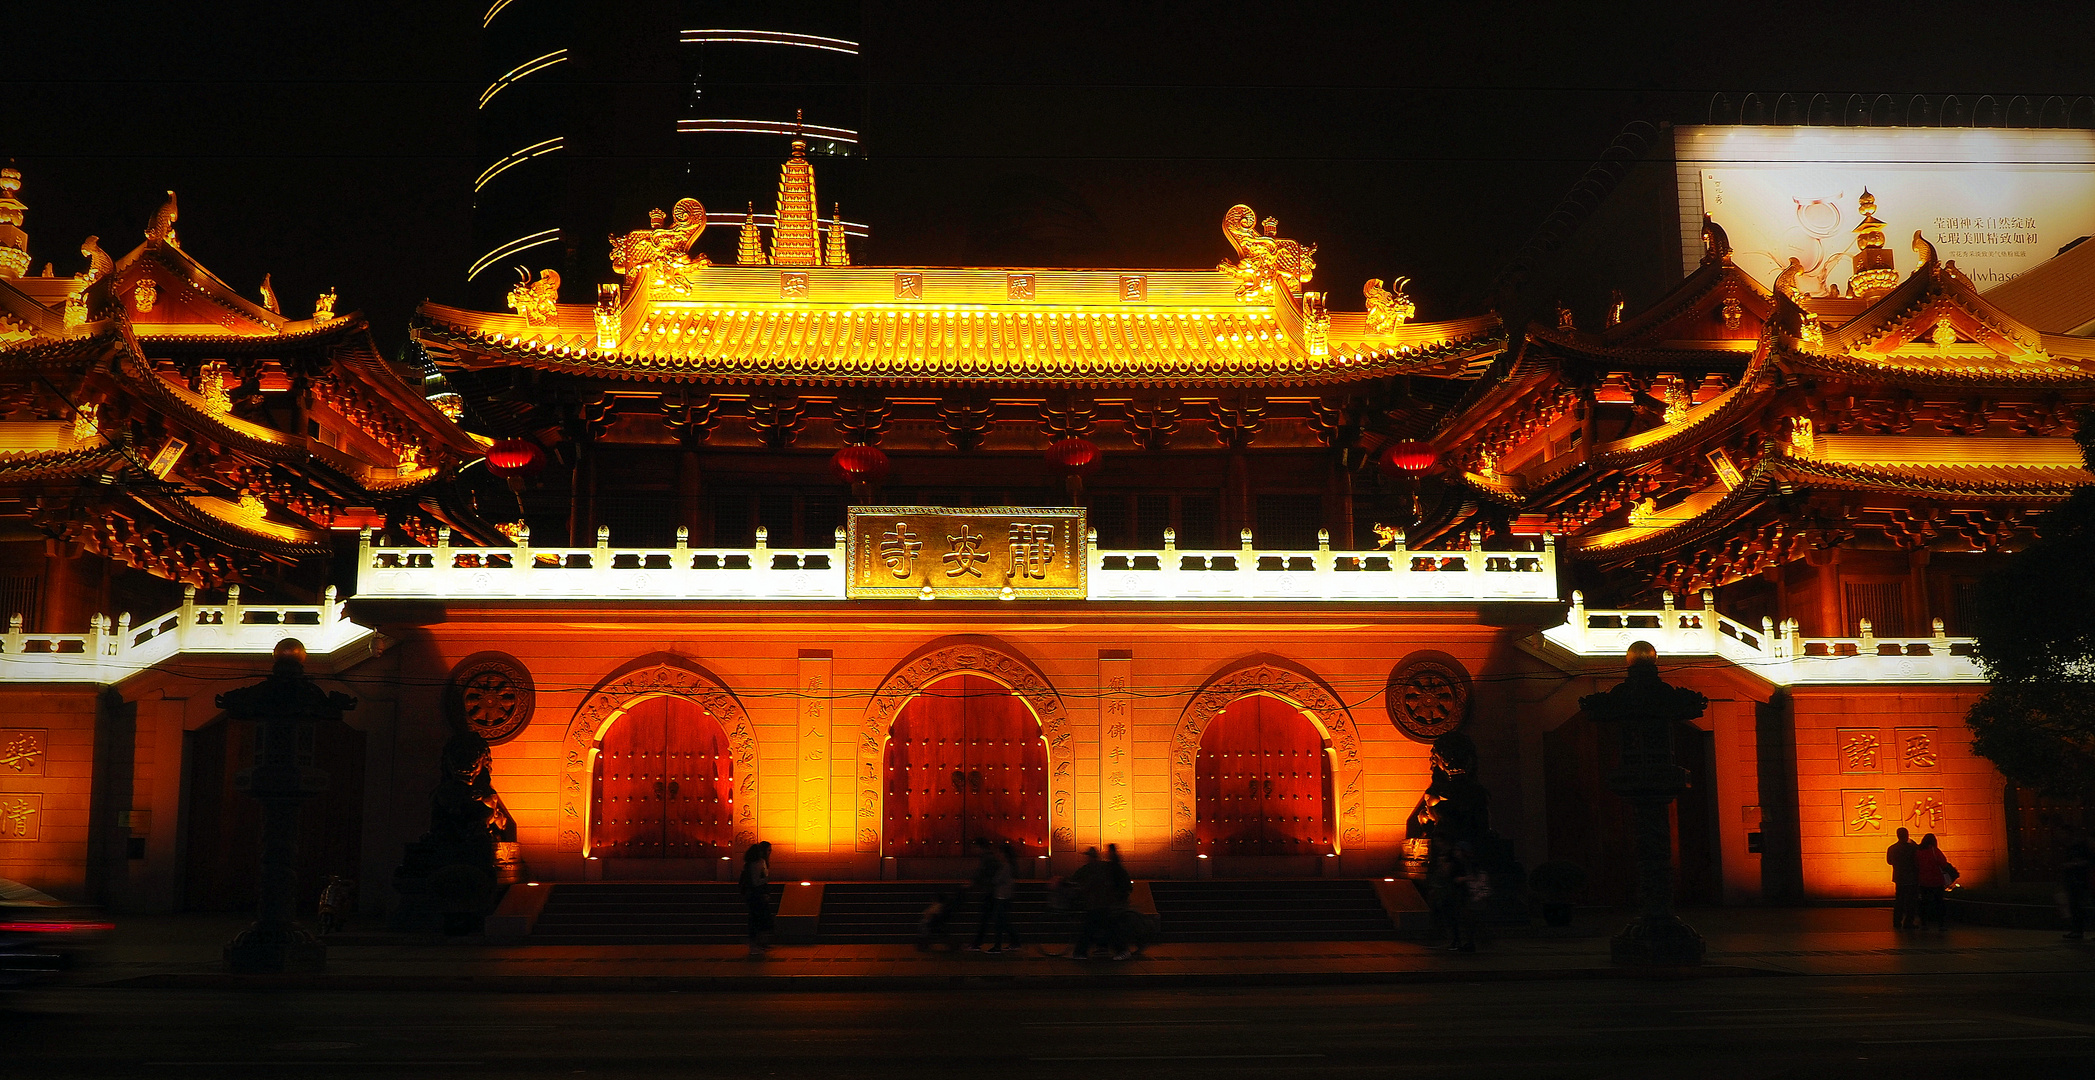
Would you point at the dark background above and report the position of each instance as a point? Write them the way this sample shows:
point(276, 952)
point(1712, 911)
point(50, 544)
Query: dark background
point(332, 144)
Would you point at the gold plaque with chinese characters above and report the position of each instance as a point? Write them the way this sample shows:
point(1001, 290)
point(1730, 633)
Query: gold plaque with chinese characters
point(985, 553)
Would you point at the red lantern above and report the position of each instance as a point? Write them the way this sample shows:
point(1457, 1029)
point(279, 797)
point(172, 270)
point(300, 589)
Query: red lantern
point(516, 459)
point(1077, 457)
point(856, 465)
point(1408, 458)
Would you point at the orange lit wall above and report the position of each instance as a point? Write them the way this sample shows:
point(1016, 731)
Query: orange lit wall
point(805, 683)
point(46, 789)
point(1861, 775)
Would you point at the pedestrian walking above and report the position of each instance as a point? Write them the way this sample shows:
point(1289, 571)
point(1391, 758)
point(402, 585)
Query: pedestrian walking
point(1450, 890)
point(995, 879)
point(756, 894)
point(1095, 886)
point(2076, 859)
point(1122, 914)
point(1003, 935)
point(1933, 875)
point(1905, 896)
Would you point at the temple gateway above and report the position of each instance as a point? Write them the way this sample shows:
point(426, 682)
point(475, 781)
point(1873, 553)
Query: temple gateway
point(871, 561)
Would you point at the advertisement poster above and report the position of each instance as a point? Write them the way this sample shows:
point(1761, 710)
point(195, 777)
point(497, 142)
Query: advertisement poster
point(1996, 202)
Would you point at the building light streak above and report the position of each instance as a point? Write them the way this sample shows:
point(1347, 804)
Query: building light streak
point(521, 243)
point(768, 37)
point(531, 151)
point(767, 127)
point(492, 12)
point(851, 228)
point(528, 67)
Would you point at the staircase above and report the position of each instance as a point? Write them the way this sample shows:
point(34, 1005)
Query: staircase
point(645, 913)
point(1312, 909)
point(887, 912)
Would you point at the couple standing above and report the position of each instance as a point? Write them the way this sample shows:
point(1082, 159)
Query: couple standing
point(1920, 875)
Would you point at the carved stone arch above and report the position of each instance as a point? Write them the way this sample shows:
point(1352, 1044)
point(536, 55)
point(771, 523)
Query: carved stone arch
point(1287, 681)
point(967, 654)
point(662, 674)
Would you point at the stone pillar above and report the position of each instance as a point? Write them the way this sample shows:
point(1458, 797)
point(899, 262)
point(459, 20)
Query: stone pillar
point(284, 707)
point(1643, 710)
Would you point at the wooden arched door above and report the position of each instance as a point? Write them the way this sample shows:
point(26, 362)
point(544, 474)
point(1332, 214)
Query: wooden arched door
point(965, 759)
point(1262, 782)
point(664, 785)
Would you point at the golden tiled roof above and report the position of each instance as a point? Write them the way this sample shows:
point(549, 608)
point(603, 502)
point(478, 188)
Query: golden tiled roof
point(829, 324)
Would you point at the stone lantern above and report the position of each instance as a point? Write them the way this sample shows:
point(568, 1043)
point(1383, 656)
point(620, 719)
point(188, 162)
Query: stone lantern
point(285, 707)
point(1643, 710)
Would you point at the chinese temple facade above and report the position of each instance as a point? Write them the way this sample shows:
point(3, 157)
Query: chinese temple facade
point(869, 562)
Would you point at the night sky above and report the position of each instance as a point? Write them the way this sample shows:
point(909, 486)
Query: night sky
point(331, 143)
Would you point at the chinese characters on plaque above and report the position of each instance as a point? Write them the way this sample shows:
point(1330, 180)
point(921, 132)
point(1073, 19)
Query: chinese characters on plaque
point(928, 552)
point(1913, 751)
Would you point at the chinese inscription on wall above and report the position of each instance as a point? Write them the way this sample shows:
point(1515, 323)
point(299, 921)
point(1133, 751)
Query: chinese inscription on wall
point(1911, 751)
point(1012, 553)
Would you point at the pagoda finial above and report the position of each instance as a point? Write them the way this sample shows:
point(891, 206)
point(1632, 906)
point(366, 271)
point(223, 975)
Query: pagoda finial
point(749, 246)
point(795, 239)
point(1874, 273)
point(14, 242)
point(837, 255)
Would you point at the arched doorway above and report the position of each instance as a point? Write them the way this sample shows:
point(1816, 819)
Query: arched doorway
point(222, 825)
point(965, 759)
point(664, 784)
point(1262, 782)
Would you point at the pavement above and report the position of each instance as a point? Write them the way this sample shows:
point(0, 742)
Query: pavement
point(182, 951)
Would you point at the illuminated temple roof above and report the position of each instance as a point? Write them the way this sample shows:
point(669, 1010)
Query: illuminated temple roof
point(677, 318)
point(152, 406)
point(1749, 423)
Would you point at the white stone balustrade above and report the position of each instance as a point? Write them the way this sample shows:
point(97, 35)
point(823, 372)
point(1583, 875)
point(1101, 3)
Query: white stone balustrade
point(765, 573)
point(1781, 655)
point(113, 650)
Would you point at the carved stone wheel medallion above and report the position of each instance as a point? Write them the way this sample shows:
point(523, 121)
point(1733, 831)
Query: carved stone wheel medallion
point(490, 695)
point(1428, 695)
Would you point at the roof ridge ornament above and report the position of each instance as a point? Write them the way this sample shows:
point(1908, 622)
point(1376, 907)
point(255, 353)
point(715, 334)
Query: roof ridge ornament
point(1388, 308)
point(162, 228)
point(664, 251)
point(1265, 261)
point(14, 240)
point(1716, 243)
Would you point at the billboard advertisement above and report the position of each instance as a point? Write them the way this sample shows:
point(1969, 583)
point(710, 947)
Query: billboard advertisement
point(1997, 201)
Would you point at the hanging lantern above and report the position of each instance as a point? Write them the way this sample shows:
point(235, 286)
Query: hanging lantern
point(1408, 458)
point(516, 459)
point(1076, 457)
point(857, 465)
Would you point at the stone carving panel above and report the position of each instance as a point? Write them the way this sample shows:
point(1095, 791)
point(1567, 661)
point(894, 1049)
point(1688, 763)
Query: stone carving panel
point(1428, 696)
point(1303, 691)
point(994, 662)
point(490, 695)
point(667, 675)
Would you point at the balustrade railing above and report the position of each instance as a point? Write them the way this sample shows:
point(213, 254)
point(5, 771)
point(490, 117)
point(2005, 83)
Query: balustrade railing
point(1780, 654)
point(1248, 573)
point(113, 649)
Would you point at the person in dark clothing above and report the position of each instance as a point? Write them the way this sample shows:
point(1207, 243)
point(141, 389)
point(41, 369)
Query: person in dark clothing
point(1449, 888)
point(756, 893)
point(1099, 893)
point(2076, 858)
point(1933, 874)
point(995, 879)
point(1905, 894)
